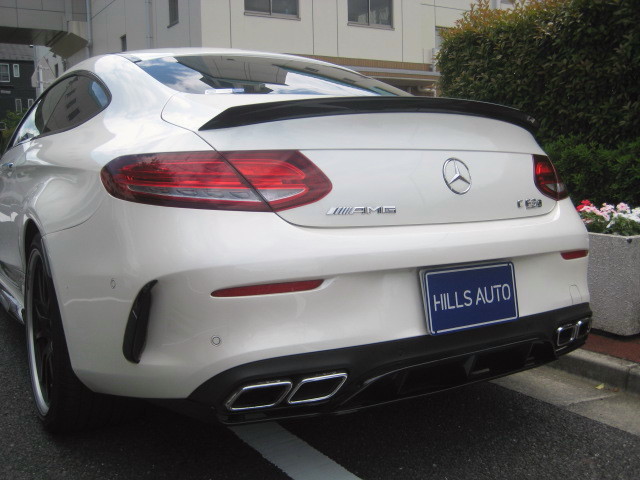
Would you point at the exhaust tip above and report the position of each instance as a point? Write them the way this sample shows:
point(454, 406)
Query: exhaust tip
point(259, 395)
point(571, 331)
point(565, 334)
point(317, 389)
point(583, 327)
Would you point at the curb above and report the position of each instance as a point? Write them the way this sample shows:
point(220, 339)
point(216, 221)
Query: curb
point(615, 372)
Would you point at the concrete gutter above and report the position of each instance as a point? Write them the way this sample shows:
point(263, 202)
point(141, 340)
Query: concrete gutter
point(614, 372)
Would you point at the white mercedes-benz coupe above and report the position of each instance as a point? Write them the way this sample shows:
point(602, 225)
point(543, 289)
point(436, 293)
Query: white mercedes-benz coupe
point(256, 236)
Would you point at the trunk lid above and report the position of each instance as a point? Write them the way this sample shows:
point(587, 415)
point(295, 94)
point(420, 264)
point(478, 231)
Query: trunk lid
point(402, 165)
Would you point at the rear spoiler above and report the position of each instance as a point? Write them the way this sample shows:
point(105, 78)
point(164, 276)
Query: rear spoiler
point(327, 106)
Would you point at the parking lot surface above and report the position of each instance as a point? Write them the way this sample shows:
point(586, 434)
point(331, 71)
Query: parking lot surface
point(528, 426)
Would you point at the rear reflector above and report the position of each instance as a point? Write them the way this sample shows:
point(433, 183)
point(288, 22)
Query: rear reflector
point(574, 254)
point(250, 181)
point(268, 289)
point(547, 179)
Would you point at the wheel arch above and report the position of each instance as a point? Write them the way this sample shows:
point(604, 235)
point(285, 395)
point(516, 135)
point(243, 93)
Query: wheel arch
point(30, 231)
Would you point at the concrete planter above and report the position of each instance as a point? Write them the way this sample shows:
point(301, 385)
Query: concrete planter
point(614, 283)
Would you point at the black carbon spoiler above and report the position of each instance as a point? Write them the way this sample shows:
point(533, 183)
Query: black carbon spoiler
point(326, 106)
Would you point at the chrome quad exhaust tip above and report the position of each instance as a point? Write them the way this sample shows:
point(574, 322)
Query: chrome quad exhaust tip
point(259, 395)
point(566, 334)
point(266, 394)
point(317, 389)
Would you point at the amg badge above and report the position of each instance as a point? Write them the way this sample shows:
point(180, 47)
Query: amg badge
point(360, 210)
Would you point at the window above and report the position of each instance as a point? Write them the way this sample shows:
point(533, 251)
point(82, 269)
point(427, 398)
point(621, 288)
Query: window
point(4, 72)
point(57, 70)
point(371, 12)
point(18, 105)
point(174, 14)
point(67, 104)
point(123, 43)
point(272, 7)
point(29, 102)
point(71, 102)
point(16, 70)
point(240, 75)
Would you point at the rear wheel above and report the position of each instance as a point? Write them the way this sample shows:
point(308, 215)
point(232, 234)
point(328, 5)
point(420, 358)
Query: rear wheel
point(63, 403)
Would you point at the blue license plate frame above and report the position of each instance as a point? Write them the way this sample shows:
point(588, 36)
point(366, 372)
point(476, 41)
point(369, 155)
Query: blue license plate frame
point(472, 296)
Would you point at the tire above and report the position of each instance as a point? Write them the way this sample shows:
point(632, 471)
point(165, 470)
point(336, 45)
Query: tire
point(63, 402)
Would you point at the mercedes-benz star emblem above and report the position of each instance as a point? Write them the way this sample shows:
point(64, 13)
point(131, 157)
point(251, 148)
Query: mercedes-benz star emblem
point(456, 176)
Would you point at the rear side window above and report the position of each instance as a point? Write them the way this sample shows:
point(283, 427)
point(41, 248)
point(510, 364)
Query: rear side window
point(71, 102)
point(235, 74)
point(67, 104)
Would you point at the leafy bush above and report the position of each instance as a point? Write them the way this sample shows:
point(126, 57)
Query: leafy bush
point(572, 64)
point(596, 172)
point(11, 121)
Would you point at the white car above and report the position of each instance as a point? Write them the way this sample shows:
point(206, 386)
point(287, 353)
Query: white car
point(257, 236)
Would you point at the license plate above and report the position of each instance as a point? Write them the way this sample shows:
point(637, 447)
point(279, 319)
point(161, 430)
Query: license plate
point(469, 297)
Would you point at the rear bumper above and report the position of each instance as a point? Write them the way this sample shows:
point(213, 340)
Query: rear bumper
point(390, 371)
point(371, 293)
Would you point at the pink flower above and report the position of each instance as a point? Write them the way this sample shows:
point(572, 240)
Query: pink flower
point(606, 208)
point(583, 205)
point(623, 207)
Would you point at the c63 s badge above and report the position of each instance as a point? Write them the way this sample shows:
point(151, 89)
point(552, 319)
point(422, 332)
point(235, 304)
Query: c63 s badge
point(361, 210)
point(529, 203)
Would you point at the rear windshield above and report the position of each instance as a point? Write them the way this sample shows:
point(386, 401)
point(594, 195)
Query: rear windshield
point(233, 74)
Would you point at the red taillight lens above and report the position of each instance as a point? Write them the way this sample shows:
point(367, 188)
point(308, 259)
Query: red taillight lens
point(284, 178)
point(573, 254)
point(241, 181)
point(547, 179)
point(268, 289)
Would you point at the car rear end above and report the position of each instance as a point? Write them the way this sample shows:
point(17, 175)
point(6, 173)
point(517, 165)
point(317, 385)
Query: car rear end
point(321, 255)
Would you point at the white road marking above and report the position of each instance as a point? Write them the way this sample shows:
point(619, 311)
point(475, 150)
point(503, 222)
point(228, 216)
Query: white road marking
point(290, 454)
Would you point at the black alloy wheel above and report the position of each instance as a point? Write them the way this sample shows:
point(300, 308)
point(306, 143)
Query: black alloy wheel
point(40, 343)
point(63, 402)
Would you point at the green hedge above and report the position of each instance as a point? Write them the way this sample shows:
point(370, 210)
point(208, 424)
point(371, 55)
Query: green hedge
point(11, 121)
point(597, 173)
point(572, 64)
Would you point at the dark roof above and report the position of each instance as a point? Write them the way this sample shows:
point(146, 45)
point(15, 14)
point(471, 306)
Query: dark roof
point(10, 51)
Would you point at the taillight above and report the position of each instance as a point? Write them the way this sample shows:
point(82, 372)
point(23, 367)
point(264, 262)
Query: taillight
point(547, 179)
point(284, 178)
point(229, 181)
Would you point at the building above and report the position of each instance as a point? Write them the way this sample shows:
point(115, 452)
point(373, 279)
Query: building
point(392, 40)
point(16, 68)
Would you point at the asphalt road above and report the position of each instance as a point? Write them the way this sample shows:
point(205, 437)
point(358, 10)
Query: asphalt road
point(488, 431)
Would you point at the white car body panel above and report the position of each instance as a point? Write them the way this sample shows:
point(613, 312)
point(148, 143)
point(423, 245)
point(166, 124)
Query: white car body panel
point(372, 271)
point(402, 165)
point(103, 250)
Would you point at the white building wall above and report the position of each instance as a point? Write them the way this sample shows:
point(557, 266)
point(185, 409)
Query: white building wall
point(446, 12)
point(139, 20)
point(325, 28)
point(274, 34)
point(321, 29)
point(187, 32)
point(109, 23)
point(417, 26)
point(216, 23)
